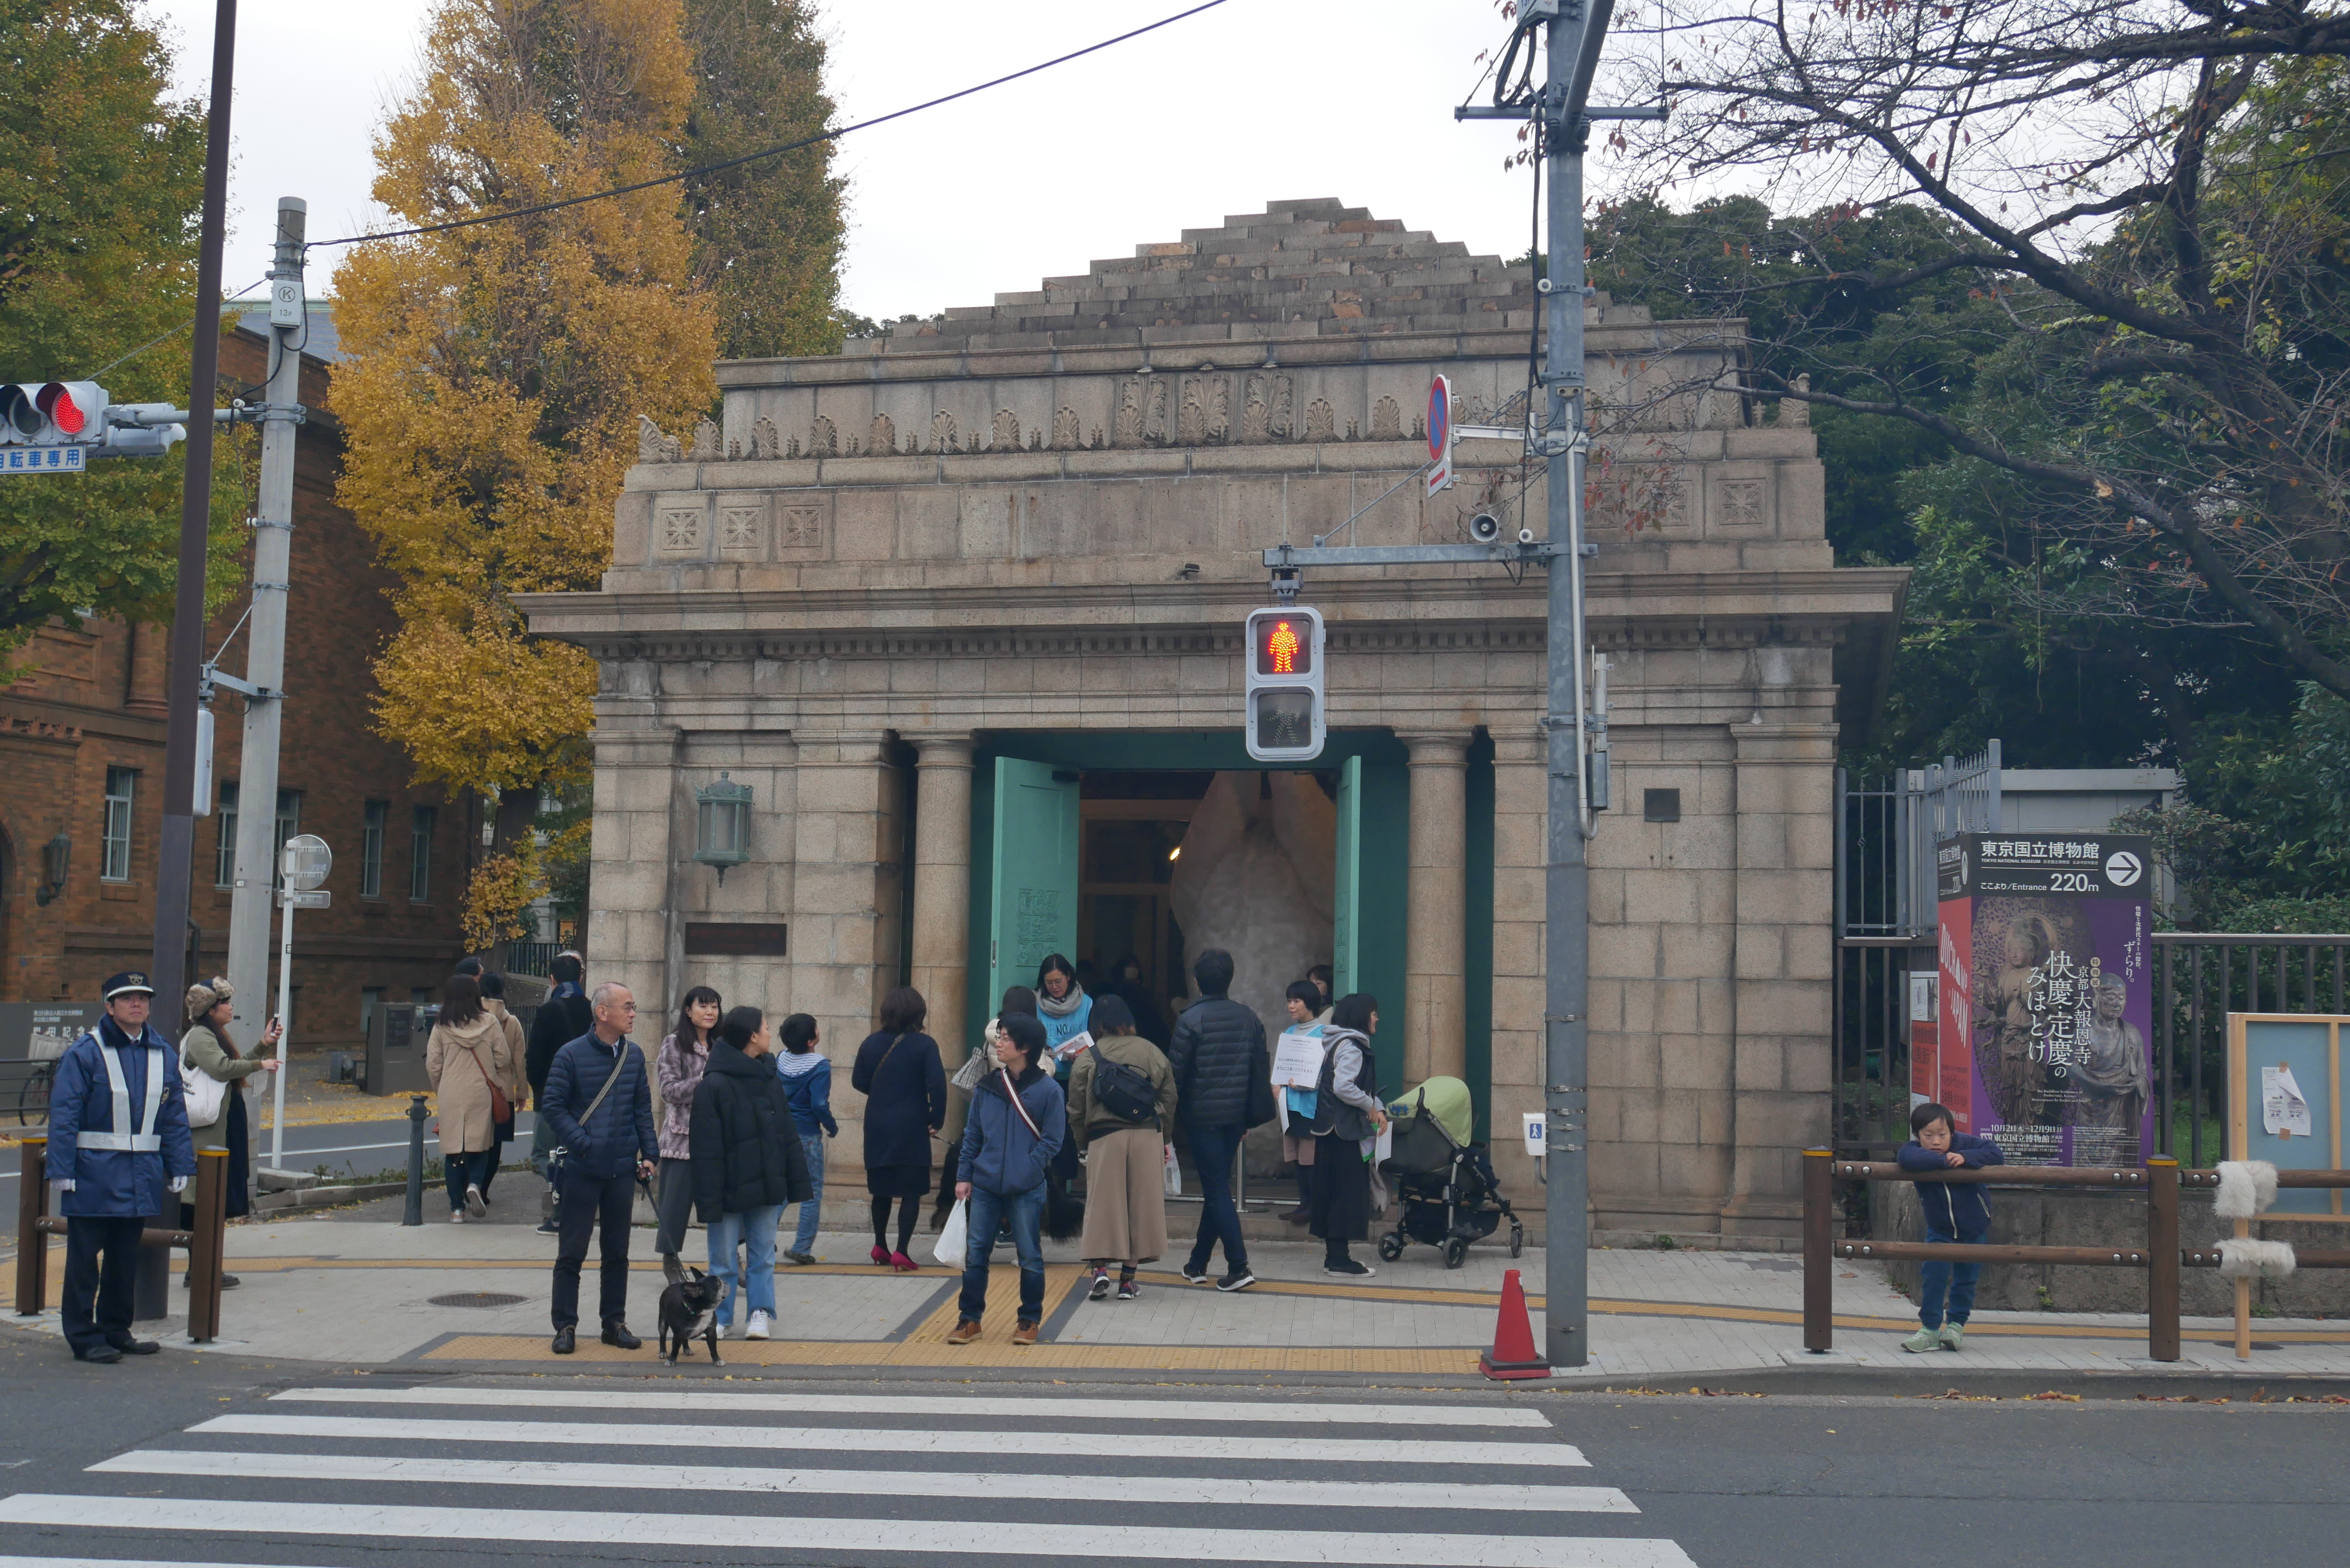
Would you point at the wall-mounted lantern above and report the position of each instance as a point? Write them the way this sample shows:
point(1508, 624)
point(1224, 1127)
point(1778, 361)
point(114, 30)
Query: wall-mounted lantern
point(721, 835)
point(56, 856)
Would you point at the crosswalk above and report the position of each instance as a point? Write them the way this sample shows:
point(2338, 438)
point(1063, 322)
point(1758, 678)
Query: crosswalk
point(338, 1473)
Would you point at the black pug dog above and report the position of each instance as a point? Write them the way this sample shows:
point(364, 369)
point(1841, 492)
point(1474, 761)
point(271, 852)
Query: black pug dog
point(689, 1307)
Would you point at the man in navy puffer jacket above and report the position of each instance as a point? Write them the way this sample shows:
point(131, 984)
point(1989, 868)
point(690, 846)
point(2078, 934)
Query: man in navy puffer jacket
point(1955, 1212)
point(606, 1152)
point(1018, 1120)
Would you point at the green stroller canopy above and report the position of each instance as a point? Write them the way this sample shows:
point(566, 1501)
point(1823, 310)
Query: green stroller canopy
point(1446, 1101)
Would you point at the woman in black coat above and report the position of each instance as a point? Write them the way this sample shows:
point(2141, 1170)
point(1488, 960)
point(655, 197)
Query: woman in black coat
point(905, 1085)
point(747, 1163)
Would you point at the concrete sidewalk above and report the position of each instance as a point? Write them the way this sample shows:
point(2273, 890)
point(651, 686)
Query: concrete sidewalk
point(358, 1288)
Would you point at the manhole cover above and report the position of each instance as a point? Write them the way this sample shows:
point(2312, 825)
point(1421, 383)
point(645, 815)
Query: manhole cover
point(478, 1299)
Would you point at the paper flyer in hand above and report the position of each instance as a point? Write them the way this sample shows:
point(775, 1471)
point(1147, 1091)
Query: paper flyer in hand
point(1297, 1058)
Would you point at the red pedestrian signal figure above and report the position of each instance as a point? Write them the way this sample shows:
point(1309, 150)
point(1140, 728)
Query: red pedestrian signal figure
point(1281, 648)
point(1284, 718)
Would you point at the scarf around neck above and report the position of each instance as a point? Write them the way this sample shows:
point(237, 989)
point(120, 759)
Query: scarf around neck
point(1066, 1005)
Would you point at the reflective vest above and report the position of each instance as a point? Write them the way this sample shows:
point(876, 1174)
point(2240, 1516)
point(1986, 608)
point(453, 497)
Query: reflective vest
point(130, 1142)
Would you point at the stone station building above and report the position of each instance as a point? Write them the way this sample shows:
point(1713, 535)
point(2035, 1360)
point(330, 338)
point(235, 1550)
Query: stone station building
point(962, 607)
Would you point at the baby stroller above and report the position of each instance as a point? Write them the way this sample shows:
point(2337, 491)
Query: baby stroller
point(1446, 1191)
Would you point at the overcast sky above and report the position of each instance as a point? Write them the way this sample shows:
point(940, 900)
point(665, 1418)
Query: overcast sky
point(1256, 102)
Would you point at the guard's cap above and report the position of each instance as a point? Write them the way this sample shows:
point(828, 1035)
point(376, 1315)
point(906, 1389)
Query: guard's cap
point(130, 982)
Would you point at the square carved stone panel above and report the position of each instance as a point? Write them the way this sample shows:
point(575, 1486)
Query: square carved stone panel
point(681, 529)
point(803, 524)
point(742, 527)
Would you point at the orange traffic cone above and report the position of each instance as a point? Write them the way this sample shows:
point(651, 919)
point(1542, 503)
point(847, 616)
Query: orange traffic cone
point(1513, 1353)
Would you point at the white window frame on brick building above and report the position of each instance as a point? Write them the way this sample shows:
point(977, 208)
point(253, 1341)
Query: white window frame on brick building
point(375, 816)
point(224, 855)
point(421, 821)
point(289, 823)
point(114, 842)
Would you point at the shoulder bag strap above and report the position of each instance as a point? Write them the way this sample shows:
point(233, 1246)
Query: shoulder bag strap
point(1012, 1093)
point(885, 1058)
point(619, 1060)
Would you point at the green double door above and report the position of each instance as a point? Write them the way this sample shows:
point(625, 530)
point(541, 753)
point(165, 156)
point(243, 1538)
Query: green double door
point(1037, 847)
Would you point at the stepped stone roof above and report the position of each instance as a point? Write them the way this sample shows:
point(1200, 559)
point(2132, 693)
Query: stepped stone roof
point(1298, 269)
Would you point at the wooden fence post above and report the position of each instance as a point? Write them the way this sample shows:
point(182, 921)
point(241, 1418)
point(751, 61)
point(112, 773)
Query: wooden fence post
point(32, 1246)
point(1819, 1267)
point(205, 1245)
point(2162, 1258)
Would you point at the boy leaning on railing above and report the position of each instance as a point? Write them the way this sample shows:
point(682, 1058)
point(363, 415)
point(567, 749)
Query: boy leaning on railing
point(1955, 1212)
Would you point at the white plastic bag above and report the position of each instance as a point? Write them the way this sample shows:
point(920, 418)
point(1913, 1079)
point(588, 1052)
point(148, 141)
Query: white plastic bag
point(953, 1236)
point(1174, 1172)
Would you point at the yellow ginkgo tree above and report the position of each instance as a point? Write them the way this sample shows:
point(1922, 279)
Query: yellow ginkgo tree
point(497, 371)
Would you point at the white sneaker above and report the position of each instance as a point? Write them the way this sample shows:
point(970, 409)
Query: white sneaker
point(757, 1328)
point(456, 1217)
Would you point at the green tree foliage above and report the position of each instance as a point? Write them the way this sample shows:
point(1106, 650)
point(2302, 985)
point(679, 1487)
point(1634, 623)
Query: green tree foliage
point(767, 235)
point(101, 187)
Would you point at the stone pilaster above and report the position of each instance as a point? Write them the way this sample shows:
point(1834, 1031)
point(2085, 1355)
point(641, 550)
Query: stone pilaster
point(941, 934)
point(1520, 813)
point(1436, 918)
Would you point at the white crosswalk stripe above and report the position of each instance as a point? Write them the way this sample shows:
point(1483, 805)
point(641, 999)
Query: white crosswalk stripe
point(1182, 1485)
point(909, 1440)
point(874, 1483)
point(956, 1538)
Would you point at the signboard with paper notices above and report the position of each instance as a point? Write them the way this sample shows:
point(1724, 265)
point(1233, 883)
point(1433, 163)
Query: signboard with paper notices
point(2286, 1071)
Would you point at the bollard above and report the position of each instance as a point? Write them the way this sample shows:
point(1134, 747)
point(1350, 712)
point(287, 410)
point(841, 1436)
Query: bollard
point(32, 1246)
point(416, 1115)
point(207, 1245)
point(2162, 1259)
point(1819, 1269)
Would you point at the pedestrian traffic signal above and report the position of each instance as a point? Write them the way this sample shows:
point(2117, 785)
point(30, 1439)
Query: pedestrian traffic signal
point(1283, 715)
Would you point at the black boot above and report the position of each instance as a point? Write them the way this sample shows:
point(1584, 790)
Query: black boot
point(616, 1335)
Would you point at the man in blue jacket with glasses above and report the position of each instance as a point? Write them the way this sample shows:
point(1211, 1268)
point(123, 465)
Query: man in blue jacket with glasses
point(119, 1145)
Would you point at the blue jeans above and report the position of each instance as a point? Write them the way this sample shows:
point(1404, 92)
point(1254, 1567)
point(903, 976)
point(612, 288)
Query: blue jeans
point(1212, 1149)
point(813, 1143)
point(754, 1232)
point(464, 1168)
point(1025, 1214)
point(1956, 1282)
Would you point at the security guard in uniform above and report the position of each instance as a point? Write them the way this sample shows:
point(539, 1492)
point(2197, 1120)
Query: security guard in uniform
point(119, 1143)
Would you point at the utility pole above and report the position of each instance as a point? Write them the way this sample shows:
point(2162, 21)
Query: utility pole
point(1576, 730)
point(176, 847)
point(264, 657)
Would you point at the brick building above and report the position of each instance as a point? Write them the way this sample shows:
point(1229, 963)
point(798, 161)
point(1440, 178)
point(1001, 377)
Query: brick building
point(81, 760)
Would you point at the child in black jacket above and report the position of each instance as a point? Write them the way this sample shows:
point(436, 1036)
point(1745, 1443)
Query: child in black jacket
point(1955, 1212)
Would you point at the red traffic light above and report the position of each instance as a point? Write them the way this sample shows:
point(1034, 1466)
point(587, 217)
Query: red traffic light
point(1284, 645)
point(55, 400)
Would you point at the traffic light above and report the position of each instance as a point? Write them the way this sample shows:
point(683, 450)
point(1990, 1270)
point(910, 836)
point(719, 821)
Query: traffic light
point(52, 413)
point(1284, 718)
point(44, 426)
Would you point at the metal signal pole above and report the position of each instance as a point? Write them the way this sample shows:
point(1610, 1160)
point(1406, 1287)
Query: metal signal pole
point(1576, 729)
point(175, 855)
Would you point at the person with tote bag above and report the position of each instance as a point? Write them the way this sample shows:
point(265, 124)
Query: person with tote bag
point(212, 1073)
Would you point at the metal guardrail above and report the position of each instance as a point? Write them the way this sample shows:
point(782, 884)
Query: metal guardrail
point(205, 1245)
point(2161, 1257)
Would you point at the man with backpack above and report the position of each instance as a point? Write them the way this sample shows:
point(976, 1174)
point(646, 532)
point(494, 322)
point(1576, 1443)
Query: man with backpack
point(1121, 1108)
point(1219, 1062)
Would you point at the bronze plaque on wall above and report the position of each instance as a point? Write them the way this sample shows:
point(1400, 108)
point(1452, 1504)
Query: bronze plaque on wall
point(727, 939)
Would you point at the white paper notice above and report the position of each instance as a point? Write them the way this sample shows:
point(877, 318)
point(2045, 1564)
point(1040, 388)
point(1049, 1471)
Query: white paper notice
point(1297, 1058)
point(1075, 1047)
point(2284, 1113)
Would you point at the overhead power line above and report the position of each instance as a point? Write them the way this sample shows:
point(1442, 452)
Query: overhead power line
point(818, 139)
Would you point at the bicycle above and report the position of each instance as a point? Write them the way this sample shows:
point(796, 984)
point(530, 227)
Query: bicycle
point(33, 1098)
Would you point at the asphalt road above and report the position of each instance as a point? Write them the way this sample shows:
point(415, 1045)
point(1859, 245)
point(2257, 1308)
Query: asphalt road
point(189, 1459)
point(348, 1148)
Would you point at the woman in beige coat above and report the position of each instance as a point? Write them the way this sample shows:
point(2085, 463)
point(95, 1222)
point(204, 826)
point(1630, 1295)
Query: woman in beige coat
point(207, 1048)
point(465, 1056)
point(517, 1087)
point(1125, 1159)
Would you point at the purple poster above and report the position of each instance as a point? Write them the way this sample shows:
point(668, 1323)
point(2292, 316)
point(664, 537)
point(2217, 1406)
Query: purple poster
point(2057, 930)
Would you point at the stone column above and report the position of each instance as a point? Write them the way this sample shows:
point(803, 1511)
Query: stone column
point(1435, 986)
point(941, 934)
